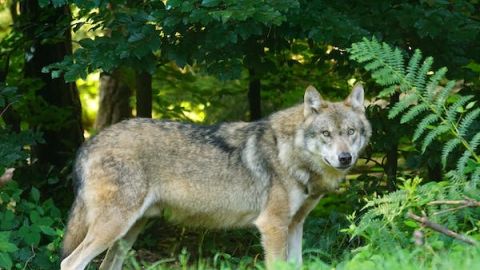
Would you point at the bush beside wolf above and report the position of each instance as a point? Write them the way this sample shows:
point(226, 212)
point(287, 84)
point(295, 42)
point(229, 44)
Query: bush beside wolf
point(269, 174)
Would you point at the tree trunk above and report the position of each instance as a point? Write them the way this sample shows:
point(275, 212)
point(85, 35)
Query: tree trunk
point(144, 94)
point(391, 164)
point(254, 98)
point(51, 23)
point(114, 104)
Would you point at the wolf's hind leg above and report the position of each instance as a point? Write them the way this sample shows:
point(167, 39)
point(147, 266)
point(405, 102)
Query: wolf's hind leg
point(102, 233)
point(116, 253)
point(76, 229)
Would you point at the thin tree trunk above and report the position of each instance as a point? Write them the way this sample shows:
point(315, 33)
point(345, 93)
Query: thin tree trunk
point(144, 94)
point(114, 103)
point(391, 164)
point(254, 98)
point(61, 141)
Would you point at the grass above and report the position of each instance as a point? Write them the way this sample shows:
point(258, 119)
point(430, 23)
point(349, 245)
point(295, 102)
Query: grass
point(458, 257)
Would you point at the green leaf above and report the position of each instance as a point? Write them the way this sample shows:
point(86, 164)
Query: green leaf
point(8, 247)
point(5, 244)
point(411, 223)
point(58, 3)
point(470, 105)
point(5, 261)
point(56, 74)
point(48, 230)
point(473, 66)
point(7, 220)
point(452, 109)
point(43, 3)
point(35, 194)
point(210, 3)
point(30, 234)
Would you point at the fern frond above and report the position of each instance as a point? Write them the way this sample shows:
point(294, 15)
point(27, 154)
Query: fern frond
point(425, 96)
point(422, 74)
point(442, 96)
point(388, 91)
point(467, 121)
point(412, 68)
point(474, 142)
point(397, 60)
point(414, 112)
point(433, 134)
point(453, 109)
point(448, 148)
point(462, 162)
point(402, 105)
point(454, 176)
point(433, 84)
point(423, 125)
point(476, 177)
point(374, 65)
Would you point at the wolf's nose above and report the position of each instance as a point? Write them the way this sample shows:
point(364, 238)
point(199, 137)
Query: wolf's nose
point(345, 158)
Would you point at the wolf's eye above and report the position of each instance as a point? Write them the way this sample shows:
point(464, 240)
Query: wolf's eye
point(326, 133)
point(351, 131)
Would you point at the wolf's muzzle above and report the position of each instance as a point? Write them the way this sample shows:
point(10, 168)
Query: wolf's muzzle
point(345, 159)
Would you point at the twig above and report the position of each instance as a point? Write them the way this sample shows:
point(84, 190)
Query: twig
point(441, 229)
point(5, 109)
point(450, 209)
point(468, 202)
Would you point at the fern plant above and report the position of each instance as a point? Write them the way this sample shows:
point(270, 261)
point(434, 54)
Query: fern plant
point(429, 96)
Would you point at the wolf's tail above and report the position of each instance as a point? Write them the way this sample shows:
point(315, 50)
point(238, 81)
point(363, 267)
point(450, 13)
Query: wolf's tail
point(76, 229)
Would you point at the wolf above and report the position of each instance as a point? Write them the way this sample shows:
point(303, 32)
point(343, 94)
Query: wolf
point(269, 174)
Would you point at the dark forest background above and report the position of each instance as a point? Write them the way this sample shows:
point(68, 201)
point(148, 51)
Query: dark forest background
point(70, 68)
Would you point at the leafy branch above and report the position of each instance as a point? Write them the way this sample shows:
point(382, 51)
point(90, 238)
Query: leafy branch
point(441, 229)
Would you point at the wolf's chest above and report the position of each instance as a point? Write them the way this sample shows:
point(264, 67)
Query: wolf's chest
point(296, 198)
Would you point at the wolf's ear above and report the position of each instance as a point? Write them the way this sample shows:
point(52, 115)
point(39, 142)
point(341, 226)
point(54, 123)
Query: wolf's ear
point(312, 101)
point(356, 98)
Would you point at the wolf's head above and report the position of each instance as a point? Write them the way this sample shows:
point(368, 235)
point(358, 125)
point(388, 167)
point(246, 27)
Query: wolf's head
point(333, 133)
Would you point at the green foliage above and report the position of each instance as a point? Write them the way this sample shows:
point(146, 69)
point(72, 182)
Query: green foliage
point(442, 115)
point(29, 230)
point(384, 225)
point(447, 116)
point(122, 36)
point(12, 144)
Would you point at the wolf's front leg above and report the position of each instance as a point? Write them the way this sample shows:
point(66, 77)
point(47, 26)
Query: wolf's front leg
point(295, 230)
point(294, 252)
point(273, 225)
point(274, 242)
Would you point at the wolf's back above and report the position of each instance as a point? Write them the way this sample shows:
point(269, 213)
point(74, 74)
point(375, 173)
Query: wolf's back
point(178, 165)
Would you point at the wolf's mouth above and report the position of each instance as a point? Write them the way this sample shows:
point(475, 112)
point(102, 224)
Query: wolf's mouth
point(341, 168)
point(328, 162)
